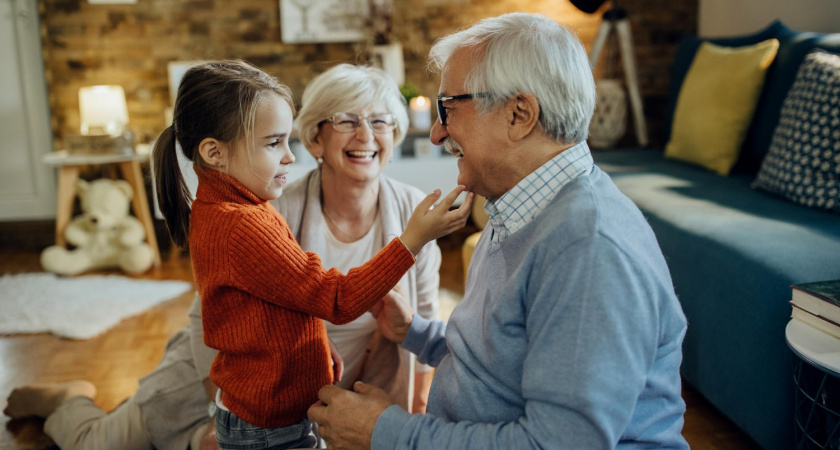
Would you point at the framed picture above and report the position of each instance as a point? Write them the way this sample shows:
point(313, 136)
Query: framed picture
point(390, 59)
point(309, 21)
point(176, 71)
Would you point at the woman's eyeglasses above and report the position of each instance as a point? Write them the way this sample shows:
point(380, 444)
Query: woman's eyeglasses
point(349, 122)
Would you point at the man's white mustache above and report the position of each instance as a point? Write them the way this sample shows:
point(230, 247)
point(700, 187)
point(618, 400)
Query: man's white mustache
point(452, 147)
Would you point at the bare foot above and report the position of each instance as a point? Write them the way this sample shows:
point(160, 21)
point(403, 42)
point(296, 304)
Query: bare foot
point(43, 399)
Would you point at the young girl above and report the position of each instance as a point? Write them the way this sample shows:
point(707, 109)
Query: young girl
point(262, 296)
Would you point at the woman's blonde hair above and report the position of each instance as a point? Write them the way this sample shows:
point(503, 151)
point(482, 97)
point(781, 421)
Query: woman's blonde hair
point(217, 99)
point(345, 88)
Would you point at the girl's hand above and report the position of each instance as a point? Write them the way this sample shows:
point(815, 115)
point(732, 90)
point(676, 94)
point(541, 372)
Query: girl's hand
point(430, 221)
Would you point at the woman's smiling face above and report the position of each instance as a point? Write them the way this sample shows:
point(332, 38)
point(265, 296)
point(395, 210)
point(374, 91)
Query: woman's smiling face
point(360, 155)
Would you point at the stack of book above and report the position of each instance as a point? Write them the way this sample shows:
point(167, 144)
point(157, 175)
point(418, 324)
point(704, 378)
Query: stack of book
point(818, 305)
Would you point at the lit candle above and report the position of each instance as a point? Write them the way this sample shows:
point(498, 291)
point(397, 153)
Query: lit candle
point(420, 112)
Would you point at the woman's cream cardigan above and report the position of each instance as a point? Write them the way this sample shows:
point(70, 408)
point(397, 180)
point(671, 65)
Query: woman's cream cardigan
point(387, 365)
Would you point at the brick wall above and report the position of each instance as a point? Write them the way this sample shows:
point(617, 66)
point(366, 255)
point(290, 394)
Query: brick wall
point(130, 45)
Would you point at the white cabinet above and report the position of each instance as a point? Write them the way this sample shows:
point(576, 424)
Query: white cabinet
point(27, 187)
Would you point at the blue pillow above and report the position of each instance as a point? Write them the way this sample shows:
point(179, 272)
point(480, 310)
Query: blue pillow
point(803, 163)
point(685, 56)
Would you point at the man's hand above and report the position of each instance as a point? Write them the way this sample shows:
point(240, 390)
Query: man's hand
point(346, 419)
point(393, 314)
point(208, 441)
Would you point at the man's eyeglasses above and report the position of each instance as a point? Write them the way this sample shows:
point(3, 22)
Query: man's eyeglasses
point(349, 122)
point(441, 99)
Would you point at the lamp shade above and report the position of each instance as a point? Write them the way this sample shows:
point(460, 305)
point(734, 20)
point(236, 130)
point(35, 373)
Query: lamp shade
point(103, 110)
point(588, 6)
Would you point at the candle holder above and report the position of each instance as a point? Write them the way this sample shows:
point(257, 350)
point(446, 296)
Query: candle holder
point(420, 113)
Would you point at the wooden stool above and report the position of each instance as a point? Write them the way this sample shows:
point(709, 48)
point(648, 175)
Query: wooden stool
point(616, 19)
point(69, 167)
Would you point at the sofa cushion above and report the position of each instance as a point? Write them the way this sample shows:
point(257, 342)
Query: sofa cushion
point(733, 252)
point(684, 56)
point(793, 46)
point(803, 164)
point(717, 102)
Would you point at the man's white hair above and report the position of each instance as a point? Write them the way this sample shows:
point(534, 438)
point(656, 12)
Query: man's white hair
point(527, 53)
point(346, 88)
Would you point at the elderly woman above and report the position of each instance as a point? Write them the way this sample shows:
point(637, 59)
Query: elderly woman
point(351, 119)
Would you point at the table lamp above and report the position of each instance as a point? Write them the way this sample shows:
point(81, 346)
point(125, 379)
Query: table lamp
point(103, 110)
point(104, 117)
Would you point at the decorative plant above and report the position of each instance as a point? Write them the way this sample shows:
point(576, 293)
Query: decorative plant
point(409, 91)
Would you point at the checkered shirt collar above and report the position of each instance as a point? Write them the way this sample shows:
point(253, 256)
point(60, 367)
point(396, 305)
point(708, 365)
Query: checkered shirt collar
point(525, 201)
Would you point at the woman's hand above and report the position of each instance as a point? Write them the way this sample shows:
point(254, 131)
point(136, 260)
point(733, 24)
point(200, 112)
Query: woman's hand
point(393, 315)
point(422, 383)
point(430, 221)
point(338, 363)
point(208, 441)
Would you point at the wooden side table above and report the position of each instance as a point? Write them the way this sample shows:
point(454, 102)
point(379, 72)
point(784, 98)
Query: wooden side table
point(69, 167)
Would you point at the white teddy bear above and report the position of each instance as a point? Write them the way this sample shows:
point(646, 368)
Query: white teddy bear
point(105, 235)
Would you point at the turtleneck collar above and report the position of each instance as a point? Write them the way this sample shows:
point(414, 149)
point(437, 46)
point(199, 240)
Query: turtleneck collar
point(218, 187)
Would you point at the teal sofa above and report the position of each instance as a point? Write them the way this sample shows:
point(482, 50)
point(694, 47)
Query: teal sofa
point(734, 251)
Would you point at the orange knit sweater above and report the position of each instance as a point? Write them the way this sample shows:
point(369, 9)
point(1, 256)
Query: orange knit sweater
point(263, 298)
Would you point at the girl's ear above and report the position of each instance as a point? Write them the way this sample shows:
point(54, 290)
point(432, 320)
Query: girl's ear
point(213, 152)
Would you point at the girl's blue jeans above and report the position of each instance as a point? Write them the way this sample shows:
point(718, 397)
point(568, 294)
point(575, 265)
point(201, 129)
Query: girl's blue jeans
point(233, 433)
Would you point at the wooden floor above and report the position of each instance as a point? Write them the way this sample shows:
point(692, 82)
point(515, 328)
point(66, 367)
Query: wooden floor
point(115, 360)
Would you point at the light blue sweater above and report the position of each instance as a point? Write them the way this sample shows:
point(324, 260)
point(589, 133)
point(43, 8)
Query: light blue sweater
point(569, 336)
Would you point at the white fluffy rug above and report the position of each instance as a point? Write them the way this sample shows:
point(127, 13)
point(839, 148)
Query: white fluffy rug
point(76, 307)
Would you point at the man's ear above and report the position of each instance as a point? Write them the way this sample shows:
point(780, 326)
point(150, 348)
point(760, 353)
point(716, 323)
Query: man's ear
point(523, 115)
point(213, 152)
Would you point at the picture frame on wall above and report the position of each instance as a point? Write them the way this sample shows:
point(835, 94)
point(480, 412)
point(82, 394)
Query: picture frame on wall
point(313, 21)
point(175, 72)
point(390, 59)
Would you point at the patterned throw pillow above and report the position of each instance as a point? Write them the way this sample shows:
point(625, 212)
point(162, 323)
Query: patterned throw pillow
point(803, 164)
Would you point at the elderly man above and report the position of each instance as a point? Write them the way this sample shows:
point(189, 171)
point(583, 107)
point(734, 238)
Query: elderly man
point(569, 335)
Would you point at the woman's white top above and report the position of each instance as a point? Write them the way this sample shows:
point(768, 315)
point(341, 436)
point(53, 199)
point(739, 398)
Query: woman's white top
point(351, 339)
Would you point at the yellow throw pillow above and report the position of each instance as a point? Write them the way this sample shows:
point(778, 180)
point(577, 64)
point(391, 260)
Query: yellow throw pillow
point(717, 102)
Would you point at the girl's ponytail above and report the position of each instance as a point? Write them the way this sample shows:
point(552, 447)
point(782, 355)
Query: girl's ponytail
point(173, 196)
